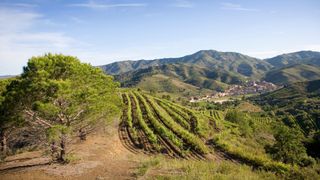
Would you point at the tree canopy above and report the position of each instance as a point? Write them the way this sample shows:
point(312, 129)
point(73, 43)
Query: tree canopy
point(61, 94)
point(288, 147)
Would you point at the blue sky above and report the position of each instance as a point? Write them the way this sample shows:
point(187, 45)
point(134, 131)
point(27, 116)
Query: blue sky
point(104, 31)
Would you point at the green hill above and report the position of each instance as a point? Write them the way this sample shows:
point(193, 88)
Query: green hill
point(214, 70)
point(295, 90)
point(301, 57)
point(299, 100)
point(179, 77)
point(207, 69)
point(230, 61)
point(293, 73)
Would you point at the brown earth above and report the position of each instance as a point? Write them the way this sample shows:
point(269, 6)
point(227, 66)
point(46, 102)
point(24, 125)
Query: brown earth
point(101, 156)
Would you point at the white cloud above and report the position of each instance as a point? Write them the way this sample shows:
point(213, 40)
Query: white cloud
point(12, 20)
point(183, 4)
point(19, 41)
point(236, 7)
point(94, 5)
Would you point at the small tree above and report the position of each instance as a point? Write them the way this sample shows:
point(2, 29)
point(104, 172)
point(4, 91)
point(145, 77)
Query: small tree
point(243, 120)
point(7, 125)
point(62, 96)
point(288, 147)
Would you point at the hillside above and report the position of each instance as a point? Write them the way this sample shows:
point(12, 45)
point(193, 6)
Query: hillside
point(300, 100)
point(229, 61)
point(293, 73)
point(295, 90)
point(214, 70)
point(206, 69)
point(183, 74)
point(301, 57)
point(62, 119)
point(6, 76)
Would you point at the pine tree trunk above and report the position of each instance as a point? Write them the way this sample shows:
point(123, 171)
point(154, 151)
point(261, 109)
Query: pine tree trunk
point(63, 140)
point(4, 146)
point(54, 151)
point(82, 135)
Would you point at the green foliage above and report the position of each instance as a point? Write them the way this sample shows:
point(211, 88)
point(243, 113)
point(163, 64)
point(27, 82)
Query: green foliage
point(129, 110)
point(288, 147)
point(159, 128)
point(191, 139)
point(207, 170)
point(313, 145)
point(167, 97)
point(145, 166)
point(249, 157)
point(3, 87)
point(56, 91)
point(72, 158)
point(188, 114)
point(55, 132)
point(240, 118)
point(150, 135)
point(176, 116)
point(297, 104)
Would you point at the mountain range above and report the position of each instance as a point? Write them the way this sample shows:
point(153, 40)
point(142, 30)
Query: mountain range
point(214, 70)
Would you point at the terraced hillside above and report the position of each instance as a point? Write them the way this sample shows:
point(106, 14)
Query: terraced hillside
point(154, 126)
point(151, 125)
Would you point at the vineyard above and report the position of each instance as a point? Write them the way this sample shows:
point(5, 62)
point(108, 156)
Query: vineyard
point(153, 125)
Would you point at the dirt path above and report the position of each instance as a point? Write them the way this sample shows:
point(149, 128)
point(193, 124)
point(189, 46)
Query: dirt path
point(101, 156)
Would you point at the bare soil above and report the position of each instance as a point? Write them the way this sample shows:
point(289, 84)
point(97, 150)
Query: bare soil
point(101, 156)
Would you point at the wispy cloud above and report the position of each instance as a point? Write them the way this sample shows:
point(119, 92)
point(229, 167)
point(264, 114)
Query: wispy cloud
point(236, 7)
point(23, 5)
point(18, 34)
point(183, 4)
point(94, 5)
point(14, 20)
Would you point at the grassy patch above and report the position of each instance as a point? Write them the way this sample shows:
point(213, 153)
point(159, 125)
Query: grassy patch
point(143, 168)
point(184, 169)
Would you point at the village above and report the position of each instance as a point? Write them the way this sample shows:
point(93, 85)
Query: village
point(250, 87)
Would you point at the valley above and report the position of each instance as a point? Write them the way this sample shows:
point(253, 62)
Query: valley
point(159, 90)
point(208, 72)
point(179, 120)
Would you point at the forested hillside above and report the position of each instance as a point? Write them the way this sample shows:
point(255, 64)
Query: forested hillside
point(215, 79)
point(298, 106)
point(293, 73)
point(234, 62)
point(301, 57)
point(214, 70)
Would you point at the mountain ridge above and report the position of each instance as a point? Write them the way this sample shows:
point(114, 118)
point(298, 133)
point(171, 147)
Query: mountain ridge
point(299, 57)
point(195, 58)
point(215, 70)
